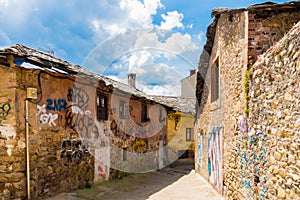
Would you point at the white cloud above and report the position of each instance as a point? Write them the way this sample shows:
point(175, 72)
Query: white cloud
point(125, 31)
point(163, 90)
point(138, 12)
point(190, 26)
point(126, 15)
point(171, 20)
point(138, 59)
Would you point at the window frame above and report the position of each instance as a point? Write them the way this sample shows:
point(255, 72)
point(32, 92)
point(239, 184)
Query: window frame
point(215, 85)
point(102, 106)
point(189, 134)
point(144, 114)
point(122, 106)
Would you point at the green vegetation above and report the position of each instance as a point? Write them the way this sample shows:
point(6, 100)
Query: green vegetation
point(247, 80)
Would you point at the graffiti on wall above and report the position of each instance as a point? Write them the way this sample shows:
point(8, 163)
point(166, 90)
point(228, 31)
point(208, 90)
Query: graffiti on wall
point(56, 104)
point(73, 151)
point(46, 118)
point(71, 113)
point(252, 154)
point(102, 159)
point(215, 158)
point(199, 147)
point(4, 110)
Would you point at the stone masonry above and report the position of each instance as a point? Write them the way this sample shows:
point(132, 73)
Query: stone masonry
point(275, 110)
point(246, 138)
point(82, 128)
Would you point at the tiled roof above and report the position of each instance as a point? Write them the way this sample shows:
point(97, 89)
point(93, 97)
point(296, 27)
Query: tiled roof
point(182, 104)
point(45, 61)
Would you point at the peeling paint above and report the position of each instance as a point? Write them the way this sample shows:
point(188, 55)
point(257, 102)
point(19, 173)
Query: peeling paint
point(9, 149)
point(7, 131)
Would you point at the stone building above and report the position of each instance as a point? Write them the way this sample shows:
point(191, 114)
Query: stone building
point(81, 127)
point(181, 120)
point(247, 131)
point(180, 124)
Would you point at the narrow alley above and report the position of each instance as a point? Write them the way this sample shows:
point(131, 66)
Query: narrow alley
point(175, 182)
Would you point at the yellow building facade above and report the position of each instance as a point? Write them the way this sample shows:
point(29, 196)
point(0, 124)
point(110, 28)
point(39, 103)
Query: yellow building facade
point(181, 133)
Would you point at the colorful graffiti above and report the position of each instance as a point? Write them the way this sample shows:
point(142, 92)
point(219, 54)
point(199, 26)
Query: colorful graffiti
point(102, 159)
point(71, 113)
point(4, 110)
point(56, 104)
point(199, 147)
point(215, 158)
point(252, 154)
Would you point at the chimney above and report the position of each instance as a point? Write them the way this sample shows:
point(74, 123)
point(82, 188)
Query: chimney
point(131, 79)
point(192, 72)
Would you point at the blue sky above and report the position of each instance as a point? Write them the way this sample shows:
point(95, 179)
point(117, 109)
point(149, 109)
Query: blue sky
point(159, 40)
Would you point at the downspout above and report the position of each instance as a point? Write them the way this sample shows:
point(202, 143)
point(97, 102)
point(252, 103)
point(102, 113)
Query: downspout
point(27, 147)
point(30, 94)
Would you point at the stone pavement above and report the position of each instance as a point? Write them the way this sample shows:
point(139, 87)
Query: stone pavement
point(189, 187)
point(175, 182)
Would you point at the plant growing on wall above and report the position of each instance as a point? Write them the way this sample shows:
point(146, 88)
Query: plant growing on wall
point(247, 78)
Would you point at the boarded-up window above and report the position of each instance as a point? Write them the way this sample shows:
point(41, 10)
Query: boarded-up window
point(122, 109)
point(144, 113)
point(102, 110)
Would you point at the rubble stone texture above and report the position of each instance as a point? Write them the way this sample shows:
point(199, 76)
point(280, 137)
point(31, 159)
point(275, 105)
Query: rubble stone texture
point(258, 106)
point(69, 146)
point(275, 109)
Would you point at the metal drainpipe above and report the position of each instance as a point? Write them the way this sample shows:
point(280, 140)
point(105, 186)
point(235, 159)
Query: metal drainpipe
point(27, 147)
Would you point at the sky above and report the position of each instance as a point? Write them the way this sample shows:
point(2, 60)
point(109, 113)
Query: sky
point(159, 40)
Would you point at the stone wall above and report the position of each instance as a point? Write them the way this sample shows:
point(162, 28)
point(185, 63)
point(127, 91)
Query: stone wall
point(12, 142)
point(217, 119)
point(69, 146)
point(275, 111)
point(232, 150)
point(266, 27)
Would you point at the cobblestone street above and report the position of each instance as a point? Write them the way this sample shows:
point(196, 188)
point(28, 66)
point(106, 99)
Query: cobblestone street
point(175, 182)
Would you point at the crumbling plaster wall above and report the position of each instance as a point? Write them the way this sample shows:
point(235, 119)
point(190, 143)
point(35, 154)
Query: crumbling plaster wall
point(69, 146)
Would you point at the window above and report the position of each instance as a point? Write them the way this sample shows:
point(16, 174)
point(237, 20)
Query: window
point(122, 109)
point(215, 83)
point(189, 134)
point(124, 154)
point(162, 117)
point(102, 109)
point(144, 113)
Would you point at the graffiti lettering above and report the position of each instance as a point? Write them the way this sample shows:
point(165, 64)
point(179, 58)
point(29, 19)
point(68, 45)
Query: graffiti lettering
point(56, 104)
point(200, 148)
point(73, 151)
point(78, 96)
point(4, 110)
point(46, 118)
point(102, 159)
point(252, 153)
point(81, 122)
point(215, 158)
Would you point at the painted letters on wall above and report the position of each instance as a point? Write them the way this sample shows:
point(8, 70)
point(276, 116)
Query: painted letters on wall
point(199, 148)
point(215, 158)
point(252, 154)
